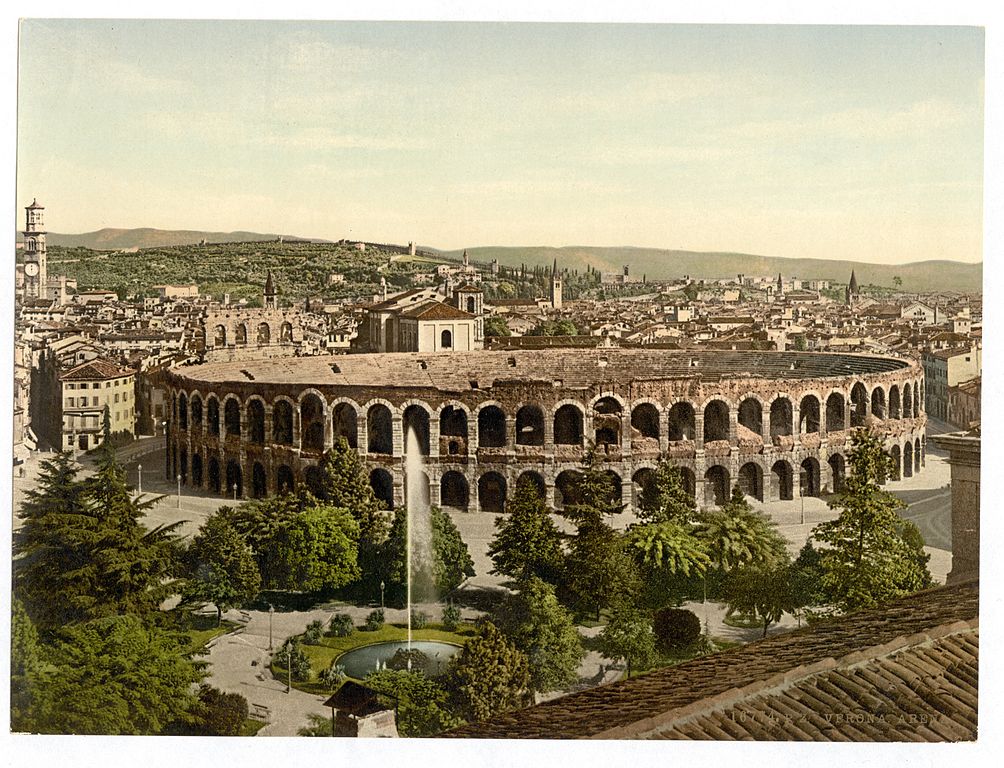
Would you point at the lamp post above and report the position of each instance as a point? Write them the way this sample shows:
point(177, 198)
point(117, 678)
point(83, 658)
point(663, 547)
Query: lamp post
point(139, 478)
point(381, 593)
point(233, 490)
point(179, 491)
point(271, 610)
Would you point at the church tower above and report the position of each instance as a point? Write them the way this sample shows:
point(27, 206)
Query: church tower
point(780, 285)
point(555, 287)
point(269, 296)
point(852, 290)
point(35, 271)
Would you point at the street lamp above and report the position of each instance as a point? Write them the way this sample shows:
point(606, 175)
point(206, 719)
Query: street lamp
point(271, 610)
point(139, 478)
point(381, 593)
point(179, 491)
point(233, 490)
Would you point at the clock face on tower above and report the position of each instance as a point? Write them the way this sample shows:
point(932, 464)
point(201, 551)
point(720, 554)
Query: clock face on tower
point(31, 269)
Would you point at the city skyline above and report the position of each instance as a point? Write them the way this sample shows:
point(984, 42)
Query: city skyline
point(863, 143)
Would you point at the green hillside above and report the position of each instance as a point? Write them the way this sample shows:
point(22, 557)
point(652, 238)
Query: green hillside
point(658, 264)
point(147, 237)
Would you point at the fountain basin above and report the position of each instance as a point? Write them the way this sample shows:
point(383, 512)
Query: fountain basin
point(359, 662)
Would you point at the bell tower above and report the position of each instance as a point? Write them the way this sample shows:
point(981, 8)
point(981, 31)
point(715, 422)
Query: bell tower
point(555, 286)
point(35, 270)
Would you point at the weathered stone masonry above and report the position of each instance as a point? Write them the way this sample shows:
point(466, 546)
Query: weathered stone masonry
point(776, 423)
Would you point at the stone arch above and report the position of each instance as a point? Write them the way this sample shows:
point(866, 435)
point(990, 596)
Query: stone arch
point(530, 425)
point(642, 479)
point(214, 474)
point(453, 429)
point(345, 422)
point(313, 478)
point(282, 422)
point(264, 334)
point(645, 420)
point(379, 429)
point(213, 416)
point(689, 481)
point(681, 422)
point(285, 480)
point(618, 486)
point(259, 485)
point(780, 417)
point(908, 459)
point(751, 415)
point(491, 426)
point(897, 464)
point(196, 470)
point(878, 403)
point(537, 479)
point(232, 417)
point(183, 411)
point(835, 416)
point(751, 480)
point(568, 424)
point(894, 406)
point(382, 483)
point(838, 470)
point(566, 488)
point(454, 490)
point(220, 336)
point(235, 479)
point(446, 339)
point(607, 411)
point(256, 421)
point(196, 409)
point(416, 418)
point(716, 421)
point(859, 405)
point(782, 473)
point(907, 401)
point(492, 492)
point(286, 333)
point(716, 485)
point(312, 420)
point(241, 334)
point(808, 477)
point(808, 414)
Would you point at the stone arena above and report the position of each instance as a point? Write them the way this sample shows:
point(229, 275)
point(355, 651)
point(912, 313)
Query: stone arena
point(776, 423)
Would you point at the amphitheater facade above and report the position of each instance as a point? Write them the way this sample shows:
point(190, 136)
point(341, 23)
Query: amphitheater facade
point(776, 423)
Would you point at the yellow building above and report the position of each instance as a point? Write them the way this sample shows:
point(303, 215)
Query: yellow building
point(89, 388)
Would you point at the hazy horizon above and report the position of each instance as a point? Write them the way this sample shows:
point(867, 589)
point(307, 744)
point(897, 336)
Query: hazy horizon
point(853, 143)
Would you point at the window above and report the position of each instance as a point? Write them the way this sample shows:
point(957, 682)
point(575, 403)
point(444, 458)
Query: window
point(446, 340)
point(83, 385)
point(116, 397)
point(69, 402)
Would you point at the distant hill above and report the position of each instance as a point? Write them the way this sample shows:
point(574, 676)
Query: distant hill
point(109, 239)
point(658, 264)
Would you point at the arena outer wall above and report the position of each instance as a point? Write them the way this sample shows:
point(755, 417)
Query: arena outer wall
point(776, 423)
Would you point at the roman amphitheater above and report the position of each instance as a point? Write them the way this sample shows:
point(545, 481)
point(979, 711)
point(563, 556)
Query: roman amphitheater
point(776, 423)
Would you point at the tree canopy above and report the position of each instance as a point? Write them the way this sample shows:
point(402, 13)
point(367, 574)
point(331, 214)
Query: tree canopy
point(527, 542)
point(488, 677)
point(223, 568)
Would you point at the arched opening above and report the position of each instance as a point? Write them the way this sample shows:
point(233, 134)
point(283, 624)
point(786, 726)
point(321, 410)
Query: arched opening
point(286, 333)
point(537, 480)
point(897, 463)
point(859, 405)
point(835, 412)
point(908, 459)
point(416, 419)
point(344, 424)
point(471, 306)
point(491, 492)
point(716, 421)
point(838, 471)
point(241, 334)
point(907, 401)
point(878, 403)
point(894, 409)
point(256, 422)
point(259, 486)
point(213, 416)
point(780, 417)
point(566, 488)
point(196, 413)
point(642, 479)
point(491, 427)
point(689, 481)
point(183, 469)
point(808, 480)
point(446, 340)
point(235, 480)
point(529, 426)
point(284, 479)
point(681, 422)
point(220, 336)
point(751, 480)
point(264, 334)
point(214, 475)
point(751, 416)
point(282, 422)
point(645, 421)
point(783, 480)
point(183, 411)
point(382, 484)
point(917, 455)
point(453, 431)
point(232, 417)
point(617, 496)
point(313, 478)
point(607, 421)
point(196, 470)
point(716, 485)
point(311, 423)
point(379, 430)
point(454, 490)
point(568, 425)
point(808, 414)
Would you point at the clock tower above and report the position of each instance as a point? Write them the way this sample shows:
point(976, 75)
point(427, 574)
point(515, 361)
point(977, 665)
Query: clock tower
point(35, 272)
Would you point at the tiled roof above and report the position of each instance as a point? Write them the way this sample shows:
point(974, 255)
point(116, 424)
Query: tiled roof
point(93, 370)
point(436, 310)
point(912, 658)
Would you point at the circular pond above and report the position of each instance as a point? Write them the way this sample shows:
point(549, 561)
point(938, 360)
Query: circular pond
point(429, 655)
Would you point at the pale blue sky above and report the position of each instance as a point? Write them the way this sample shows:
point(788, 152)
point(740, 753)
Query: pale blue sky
point(828, 142)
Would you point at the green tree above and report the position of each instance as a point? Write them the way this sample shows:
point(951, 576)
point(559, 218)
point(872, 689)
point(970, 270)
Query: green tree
point(864, 559)
point(664, 498)
point(628, 636)
point(670, 558)
point(497, 326)
point(113, 676)
point(224, 571)
point(897, 281)
point(450, 565)
point(25, 658)
point(736, 535)
point(537, 624)
point(422, 704)
point(763, 591)
point(219, 714)
point(488, 677)
point(807, 577)
point(527, 542)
